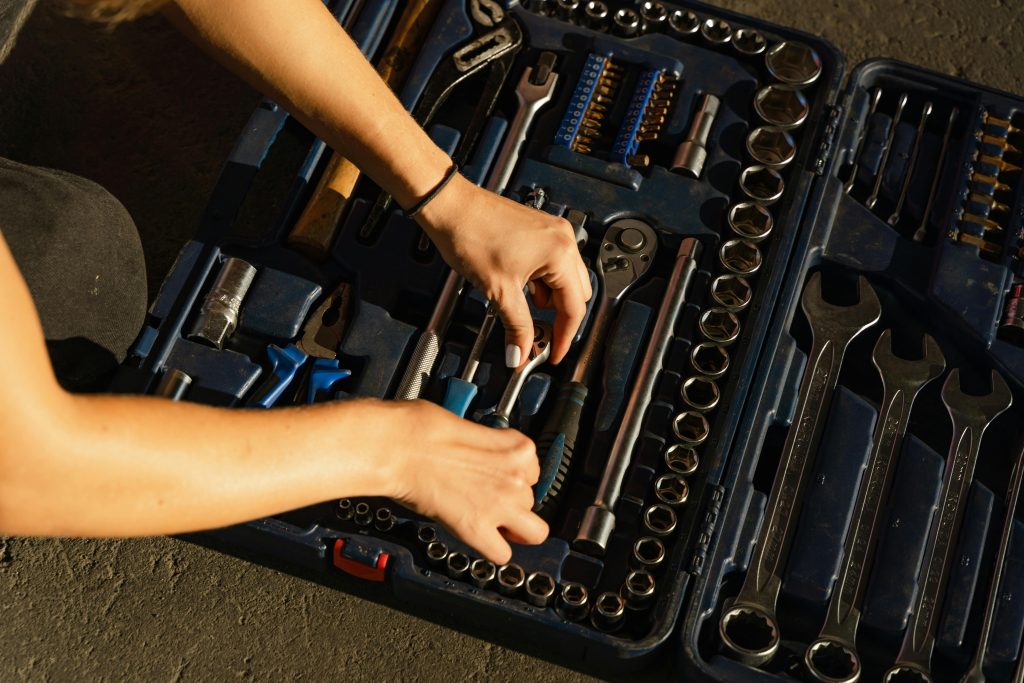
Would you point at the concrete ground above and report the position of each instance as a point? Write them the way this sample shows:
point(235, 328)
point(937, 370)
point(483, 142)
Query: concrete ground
point(144, 113)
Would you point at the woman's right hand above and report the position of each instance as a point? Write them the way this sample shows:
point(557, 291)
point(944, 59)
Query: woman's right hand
point(475, 480)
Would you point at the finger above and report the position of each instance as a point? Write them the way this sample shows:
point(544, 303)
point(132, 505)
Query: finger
point(569, 311)
point(527, 528)
point(494, 547)
point(515, 315)
point(587, 290)
point(540, 294)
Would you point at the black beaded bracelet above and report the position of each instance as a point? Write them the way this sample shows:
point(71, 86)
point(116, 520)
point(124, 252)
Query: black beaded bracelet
point(452, 172)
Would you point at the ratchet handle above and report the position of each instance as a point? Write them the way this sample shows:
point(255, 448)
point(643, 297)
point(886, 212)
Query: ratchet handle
point(458, 396)
point(417, 372)
point(557, 442)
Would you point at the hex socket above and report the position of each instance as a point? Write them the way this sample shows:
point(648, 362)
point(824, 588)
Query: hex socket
point(660, 519)
point(458, 565)
point(595, 15)
point(426, 535)
point(709, 358)
point(716, 31)
point(648, 553)
point(719, 326)
point(654, 16)
point(700, 393)
point(638, 589)
point(511, 578)
point(363, 514)
point(762, 184)
point(218, 315)
point(540, 589)
point(781, 105)
point(573, 603)
point(344, 509)
point(732, 292)
point(383, 520)
point(608, 611)
point(626, 23)
point(684, 22)
point(566, 9)
point(671, 489)
point(691, 427)
point(691, 154)
point(793, 63)
point(437, 553)
point(750, 221)
point(740, 257)
point(482, 573)
point(681, 459)
point(771, 146)
point(747, 41)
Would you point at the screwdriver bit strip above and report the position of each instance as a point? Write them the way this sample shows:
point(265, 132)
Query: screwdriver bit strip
point(642, 115)
point(584, 112)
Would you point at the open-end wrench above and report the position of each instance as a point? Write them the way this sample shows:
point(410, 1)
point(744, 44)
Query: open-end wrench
point(599, 519)
point(833, 658)
point(539, 355)
point(749, 628)
point(625, 255)
point(971, 415)
point(975, 674)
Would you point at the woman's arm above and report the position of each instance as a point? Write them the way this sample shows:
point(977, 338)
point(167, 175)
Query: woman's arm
point(297, 53)
point(128, 466)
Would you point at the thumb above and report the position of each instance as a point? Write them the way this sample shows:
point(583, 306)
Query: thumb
point(515, 316)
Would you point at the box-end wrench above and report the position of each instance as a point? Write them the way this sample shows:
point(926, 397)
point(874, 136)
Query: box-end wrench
point(971, 416)
point(429, 344)
point(833, 658)
point(539, 354)
point(749, 628)
point(599, 519)
point(625, 255)
point(975, 674)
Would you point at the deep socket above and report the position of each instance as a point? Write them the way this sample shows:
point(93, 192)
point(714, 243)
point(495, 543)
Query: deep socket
point(692, 153)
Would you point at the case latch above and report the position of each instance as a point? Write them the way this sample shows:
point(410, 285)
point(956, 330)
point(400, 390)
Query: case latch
point(707, 529)
point(828, 137)
point(360, 560)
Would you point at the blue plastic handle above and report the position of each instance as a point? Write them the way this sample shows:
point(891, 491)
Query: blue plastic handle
point(284, 364)
point(459, 396)
point(323, 375)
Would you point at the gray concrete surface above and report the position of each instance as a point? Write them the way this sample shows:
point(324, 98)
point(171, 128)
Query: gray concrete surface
point(144, 113)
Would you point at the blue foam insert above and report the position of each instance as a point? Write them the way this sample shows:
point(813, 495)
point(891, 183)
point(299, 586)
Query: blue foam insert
point(277, 305)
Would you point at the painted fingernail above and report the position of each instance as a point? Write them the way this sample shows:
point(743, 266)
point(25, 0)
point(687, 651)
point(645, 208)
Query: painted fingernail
point(512, 356)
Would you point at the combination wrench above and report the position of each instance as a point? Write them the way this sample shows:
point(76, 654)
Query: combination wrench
point(428, 346)
point(975, 673)
point(833, 658)
point(971, 416)
point(599, 519)
point(539, 354)
point(749, 628)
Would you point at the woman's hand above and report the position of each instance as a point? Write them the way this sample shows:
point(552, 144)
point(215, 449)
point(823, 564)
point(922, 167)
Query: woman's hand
point(475, 480)
point(500, 247)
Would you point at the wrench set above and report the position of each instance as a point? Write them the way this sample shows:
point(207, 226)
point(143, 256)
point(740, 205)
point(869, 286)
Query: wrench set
point(804, 293)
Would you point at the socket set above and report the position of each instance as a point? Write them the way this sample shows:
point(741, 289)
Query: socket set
point(806, 335)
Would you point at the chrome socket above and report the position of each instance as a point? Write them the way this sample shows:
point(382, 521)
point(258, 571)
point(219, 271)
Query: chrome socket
point(482, 573)
point(567, 9)
point(771, 146)
point(458, 565)
point(648, 553)
point(740, 257)
point(719, 326)
point(218, 315)
point(344, 509)
point(638, 589)
point(626, 23)
point(684, 23)
point(762, 184)
point(608, 612)
point(747, 41)
point(681, 459)
point(573, 602)
point(793, 63)
point(437, 553)
point(383, 520)
point(716, 31)
point(691, 427)
point(700, 393)
point(731, 292)
point(363, 514)
point(511, 578)
point(540, 589)
point(671, 489)
point(660, 519)
point(654, 16)
point(426, 535)
point(751, 221)
point(781, 105)
point(709, 359)
point(595, 15)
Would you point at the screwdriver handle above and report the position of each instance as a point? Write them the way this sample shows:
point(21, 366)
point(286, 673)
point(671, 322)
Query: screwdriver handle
point(458, 396)
point(316, 227)
point(557, 441)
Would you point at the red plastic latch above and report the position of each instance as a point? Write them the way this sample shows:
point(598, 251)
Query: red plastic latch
point(360, 563)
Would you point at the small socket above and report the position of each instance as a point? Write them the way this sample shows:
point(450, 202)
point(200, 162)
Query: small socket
point(426, 535)
point(608, 612)
point(626, 23)
point(684, 23)
point(671, 489)
point(719, 326)
point(344, 509)
point(648, 553)
point(709, 359)
point(716, 31)
point(762, 184)
point(595, 15)
point(700, 393)
point(437, 553)
point(573, 603)
point(681, 459)
point(731, 292)
point(751, 221)
point(793, 63)
point(691, 427)
point(654, 16)
point(638, 589)
point(740, 257)
point(458, 565)
point(781, 105)
point(567, 9)
point(660, 519)
point(747, 41)
point(540, 589)
point(771, 146)
point(482, 573)
point(511, 578)
point(363, 514)
point(383, 520)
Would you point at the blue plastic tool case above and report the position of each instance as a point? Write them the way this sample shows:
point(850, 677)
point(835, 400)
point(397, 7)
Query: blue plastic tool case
point(953, 280)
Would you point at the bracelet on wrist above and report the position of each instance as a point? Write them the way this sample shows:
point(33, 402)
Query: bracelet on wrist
point(452, 172)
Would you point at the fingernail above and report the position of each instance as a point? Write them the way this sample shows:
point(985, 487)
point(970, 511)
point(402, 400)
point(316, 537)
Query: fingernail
point(512, 356)
point(530, 288)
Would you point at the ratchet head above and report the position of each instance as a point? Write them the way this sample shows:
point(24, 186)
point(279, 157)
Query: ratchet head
point(541, 350)
point(840, 322)
point(627, 251)
point(831, 661)
point(907, 375)
point(975, 411)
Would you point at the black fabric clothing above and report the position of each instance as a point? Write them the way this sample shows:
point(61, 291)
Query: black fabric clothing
point(13, 15)
point(80, 254)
